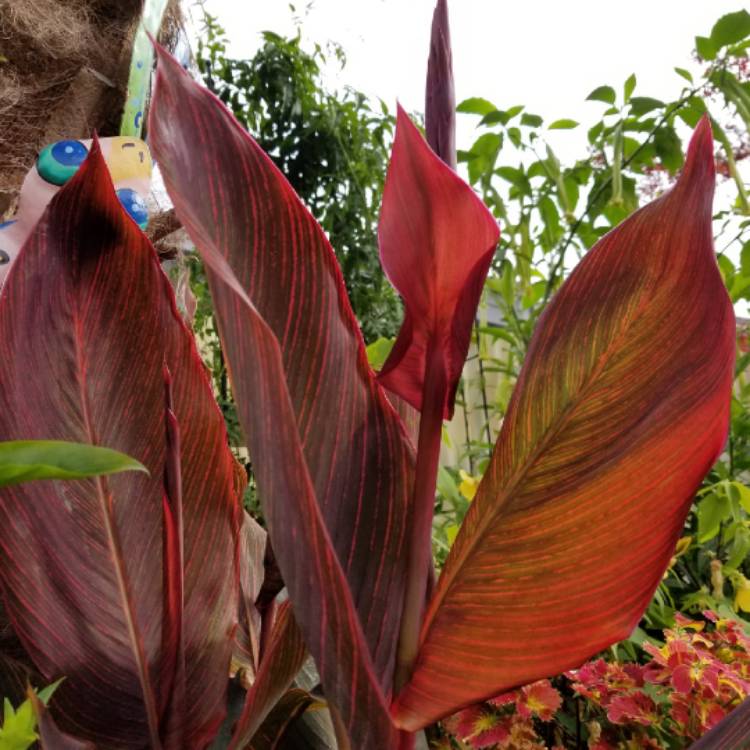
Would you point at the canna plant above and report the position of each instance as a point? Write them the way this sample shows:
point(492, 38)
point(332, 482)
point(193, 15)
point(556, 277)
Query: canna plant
point(130, 586)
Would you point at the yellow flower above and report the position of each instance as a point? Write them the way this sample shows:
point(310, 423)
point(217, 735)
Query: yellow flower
point(468, 486)
point(742, 593)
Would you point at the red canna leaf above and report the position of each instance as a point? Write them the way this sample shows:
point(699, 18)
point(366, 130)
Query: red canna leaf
point(247, 636)
point(437, 240)
point(732, 733)
point(172, 707)
point(337, 527)
point(620, 410)
point(281, 661)
point(237, 206)
point(51, 737)
point(82, 564)
point(16, 668)
point(272, 735)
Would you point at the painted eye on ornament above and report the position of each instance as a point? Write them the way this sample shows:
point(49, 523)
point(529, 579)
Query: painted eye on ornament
point(58, 162)
point(134, 205)
point(4, 257)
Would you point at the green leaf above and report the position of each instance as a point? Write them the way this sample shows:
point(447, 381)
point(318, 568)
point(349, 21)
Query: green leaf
point(629, 87)
point(595, 131)
point(491, 118)
point(705, 48)
point(533, 121)
point(740, 547)
point(669, 148)
point(451, 532)
point(744, 495)
point(46, 693)
point(507, 283)
point(378, 352)
point(727, 269)
point(483, 154)
point(639, 105)
point(446, 486)
point(18, 731)
point(536, 169)
point(515, 177)
point(563, 124)
point(692, 112)
point(686, 74)
point(712, 510)
point(533, 294)
point(476, 106)
point(602, 94)
point(639, 636)
point(26, 460)
point(731, 28)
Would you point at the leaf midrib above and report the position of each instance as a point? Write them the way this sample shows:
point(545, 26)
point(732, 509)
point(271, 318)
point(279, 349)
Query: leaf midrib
point(115, 549)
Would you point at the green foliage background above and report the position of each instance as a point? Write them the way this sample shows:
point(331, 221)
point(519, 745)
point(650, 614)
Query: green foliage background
point(332, 146)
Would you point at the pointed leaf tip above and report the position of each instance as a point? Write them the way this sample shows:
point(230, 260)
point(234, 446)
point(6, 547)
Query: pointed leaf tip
point(699, 162)
point(629, 373)
point(104, 320)
point(259, 304)
point(436, 240)
point(440, 97)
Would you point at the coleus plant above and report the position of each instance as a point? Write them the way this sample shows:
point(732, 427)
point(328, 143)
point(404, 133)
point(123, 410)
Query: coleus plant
point(129, 586)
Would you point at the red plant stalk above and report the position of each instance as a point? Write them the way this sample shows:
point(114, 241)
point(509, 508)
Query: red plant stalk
point(425, 481)
point(440, 131)
point(439, 378)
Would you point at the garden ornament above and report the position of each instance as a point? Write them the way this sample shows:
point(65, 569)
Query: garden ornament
point(129, 163)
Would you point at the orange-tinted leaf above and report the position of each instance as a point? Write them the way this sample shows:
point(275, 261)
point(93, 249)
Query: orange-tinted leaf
point(437, 240)
point(621, 408)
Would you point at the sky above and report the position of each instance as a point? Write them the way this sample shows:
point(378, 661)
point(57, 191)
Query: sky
point(546, 54)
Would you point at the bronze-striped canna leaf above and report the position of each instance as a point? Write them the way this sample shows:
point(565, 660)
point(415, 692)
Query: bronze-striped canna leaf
point(272, 735)
point(248, 634)
point(237, 205)
point(87, 322)
point(17, 671)
point(620, 409)
point(331, 458)
point(281, 661)
point(51, 737)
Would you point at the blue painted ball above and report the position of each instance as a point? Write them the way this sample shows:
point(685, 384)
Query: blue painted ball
point(59, 161)
point(134, 205)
